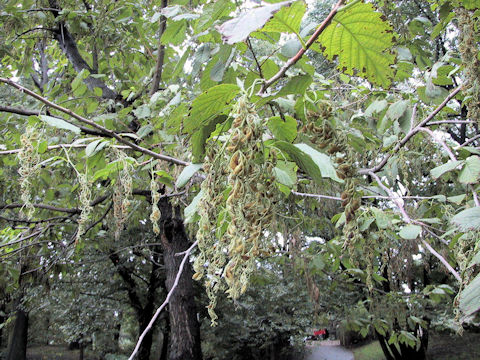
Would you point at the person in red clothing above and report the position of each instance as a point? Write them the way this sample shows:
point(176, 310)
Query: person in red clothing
point(323, 333)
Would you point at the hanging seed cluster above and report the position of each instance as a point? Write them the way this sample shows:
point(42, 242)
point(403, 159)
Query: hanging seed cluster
point(156, 214)
point(122, 192)
point(29, 160)
point(469, 49)
point(236, 208)
point(85, 208)
point(335, 143)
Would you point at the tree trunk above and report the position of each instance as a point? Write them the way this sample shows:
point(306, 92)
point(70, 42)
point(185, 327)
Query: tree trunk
point(165, 342)
point(17, 349)
point(184, 339)
point(146, 346)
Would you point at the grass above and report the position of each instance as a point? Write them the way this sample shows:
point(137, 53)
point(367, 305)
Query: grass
point(441, 347)
point(371, 351)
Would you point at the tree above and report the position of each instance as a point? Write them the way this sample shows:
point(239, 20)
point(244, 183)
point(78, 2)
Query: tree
point(213, 115)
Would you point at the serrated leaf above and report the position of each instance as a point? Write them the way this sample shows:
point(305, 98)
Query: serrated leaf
point(468, 219)
point(187, 174)
point(283, 129)
point(59, 123)
point(201, 135)
point(361, 40)
point(211, 102)
point(239, 28)
point(288, 19)
point(471, 171)
point(410, 232)
point(469, 300)
point(442, 169)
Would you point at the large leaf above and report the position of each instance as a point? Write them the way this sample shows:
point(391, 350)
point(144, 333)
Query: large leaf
point(238, 29)
point(200, 136)
point(361, 40)
point(410, 232)
point(311, 161)
point(287, 19)
point(442, 169)
point(59, 123)
point(471, 171)
point(211, 102)
point(468, 219)
point(283, 129)
point(469, 300)
point(187, 174)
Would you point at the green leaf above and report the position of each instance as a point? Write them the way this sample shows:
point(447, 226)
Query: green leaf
point(376, 107)
point(471, 171)
point(397, 109)
point(200, 136)
point(468, 219)
point(285, 130)
point(288, 19)
point(285, 173)
point(296, 85)
point(410, 232)
point(469, 300)
point(90, 149)
point(240, 27)
point(442, 169)
point(175, 32)
point(211, 102)
point(311, 161)
point(361, 40)
point(187, 174)
point(191, 209)
point(59, 123)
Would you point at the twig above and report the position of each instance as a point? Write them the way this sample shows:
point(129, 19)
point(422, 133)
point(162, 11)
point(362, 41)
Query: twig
point(470, 140)
point(167, 299)
point(292, 61)
point(93, 124)
point(411, 133)
point(60, 146)
point(408, 220)
point(316, 196)
point(441, 142)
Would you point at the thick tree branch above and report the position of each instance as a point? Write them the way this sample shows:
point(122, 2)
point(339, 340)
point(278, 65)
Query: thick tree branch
point(69, 47)
point(292, 61)
point(93, 124)
point(411, 133)
point(62, 146)
point(167, 299)
point(157, 77)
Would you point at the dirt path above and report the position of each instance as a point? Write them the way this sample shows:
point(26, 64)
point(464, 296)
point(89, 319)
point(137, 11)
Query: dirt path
point(335, 352)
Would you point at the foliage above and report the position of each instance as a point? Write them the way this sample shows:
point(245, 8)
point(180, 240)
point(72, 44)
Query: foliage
point(113, 110)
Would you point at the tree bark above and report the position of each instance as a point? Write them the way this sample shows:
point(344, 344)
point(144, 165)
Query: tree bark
point(184, 341)
point(17, 349)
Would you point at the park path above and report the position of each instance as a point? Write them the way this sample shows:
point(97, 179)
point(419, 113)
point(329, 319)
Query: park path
point(334, 352)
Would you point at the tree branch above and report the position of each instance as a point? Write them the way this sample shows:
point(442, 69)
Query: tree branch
point(93, 124)
point(292, 61)
point(69, 47)
point(25, 112)
point(167, 299)
point(408, 220)
point(157, 77)
point(411, 133)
